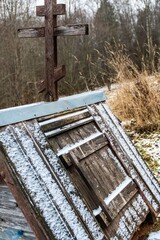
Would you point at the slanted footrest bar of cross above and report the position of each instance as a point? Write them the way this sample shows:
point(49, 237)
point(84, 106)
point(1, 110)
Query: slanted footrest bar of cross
point(59, 9)
point(59, 73)
point(69, 30)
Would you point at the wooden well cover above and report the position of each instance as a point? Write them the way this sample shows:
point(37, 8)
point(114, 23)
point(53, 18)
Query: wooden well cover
point(80, 174)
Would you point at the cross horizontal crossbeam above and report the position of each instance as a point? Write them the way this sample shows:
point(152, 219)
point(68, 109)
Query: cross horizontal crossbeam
point(69, 30)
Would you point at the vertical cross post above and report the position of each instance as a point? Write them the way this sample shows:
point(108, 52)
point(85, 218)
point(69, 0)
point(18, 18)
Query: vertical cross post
point(50, 50)
point(53, 72)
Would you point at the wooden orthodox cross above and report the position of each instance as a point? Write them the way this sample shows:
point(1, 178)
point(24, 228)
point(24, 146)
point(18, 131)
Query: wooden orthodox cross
point(53, 73)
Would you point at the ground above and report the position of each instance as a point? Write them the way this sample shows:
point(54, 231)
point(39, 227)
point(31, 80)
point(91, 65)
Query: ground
point(148, 145)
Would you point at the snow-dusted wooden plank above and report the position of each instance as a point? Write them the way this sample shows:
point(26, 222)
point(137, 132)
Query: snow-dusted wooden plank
point(128, 220)
point(127, 185)
point(99, 115)
point(66, 182)
point(118, 190)
point(48, 184)
point(83, 149)
point(69, 148)
point(44, 190)
point(60, 118)
point(68, 127)
point(129, 148)
point(36, 110)
point(78, 150)
point(12, 179)
point(92, 191)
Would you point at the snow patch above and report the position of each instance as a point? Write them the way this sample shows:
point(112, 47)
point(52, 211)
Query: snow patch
point(154, 236)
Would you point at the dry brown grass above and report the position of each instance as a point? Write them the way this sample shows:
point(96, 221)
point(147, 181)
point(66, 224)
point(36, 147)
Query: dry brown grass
point(137, 97)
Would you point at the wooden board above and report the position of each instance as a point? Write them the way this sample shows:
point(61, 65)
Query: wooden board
point(69, 30)
point(11, 216)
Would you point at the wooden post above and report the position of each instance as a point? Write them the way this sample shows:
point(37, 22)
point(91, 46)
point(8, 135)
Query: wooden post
point(49, 49)
point(53, 73)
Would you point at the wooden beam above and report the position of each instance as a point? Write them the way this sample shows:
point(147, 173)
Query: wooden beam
point(59, 9)
point(72, 30)
point(31, 32)
point(59, 73)
point(20, 195)
point(97, 198)
point(69, 30)
point(55, 83)
point(49, 48)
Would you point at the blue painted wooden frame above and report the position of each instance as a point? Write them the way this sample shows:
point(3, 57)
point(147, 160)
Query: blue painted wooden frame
point(41, 109)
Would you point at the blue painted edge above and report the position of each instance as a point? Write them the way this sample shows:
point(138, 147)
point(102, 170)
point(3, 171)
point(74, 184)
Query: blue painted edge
point(41, 109)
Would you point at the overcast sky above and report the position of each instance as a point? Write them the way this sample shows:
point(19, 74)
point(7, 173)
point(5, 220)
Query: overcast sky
point(89, 4)
point(84, 4)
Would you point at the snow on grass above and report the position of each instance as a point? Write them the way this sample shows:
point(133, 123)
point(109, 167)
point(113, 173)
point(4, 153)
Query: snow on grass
point(149, 147)
point(154, 236)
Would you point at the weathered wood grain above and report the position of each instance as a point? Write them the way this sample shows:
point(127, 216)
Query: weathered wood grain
point(59, 73)
point(12, 181)
point(123, 158)
point(122, 198)
point(68, 127)
point(83, 149)
point(80, 184)
point(76, 154)
point(31, 32)
point(72, 30)
point(59, 9)
point(78, 168)
point(58, 171)
point(49, 50)
point(59, 121)
point(129, 219)
point(10, 215)
point(130, 150)
point(55, 83)
point(69, 30)
point(99, 167)
point(80, 148)
point(97, 198)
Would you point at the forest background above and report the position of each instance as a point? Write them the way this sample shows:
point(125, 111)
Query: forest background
point(123, 46)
